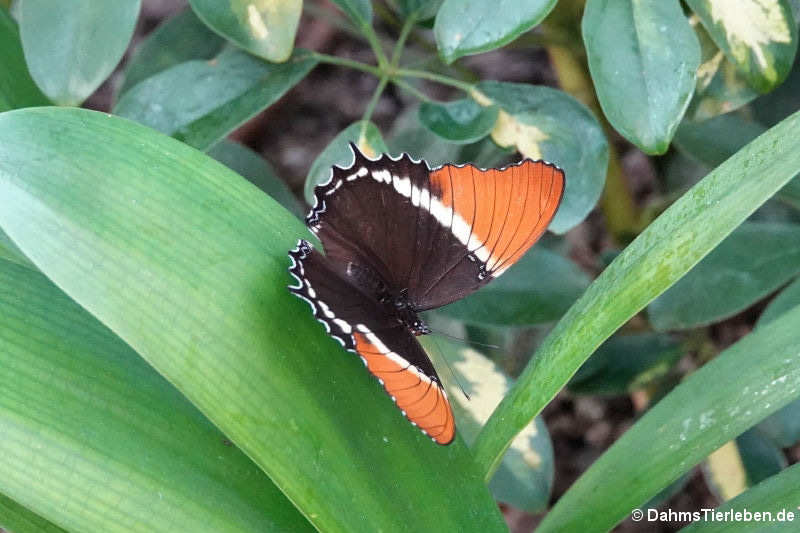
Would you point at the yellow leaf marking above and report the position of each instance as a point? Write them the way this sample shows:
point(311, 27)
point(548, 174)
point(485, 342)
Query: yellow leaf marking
point(489, 387)
point(508, 131)
point(751, 25)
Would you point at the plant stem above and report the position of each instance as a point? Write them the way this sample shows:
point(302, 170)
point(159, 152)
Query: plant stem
point(401, 41)
point(372, 103)
point(374, 42)
point(411, 89)
point(432, 76)
point(345, 62)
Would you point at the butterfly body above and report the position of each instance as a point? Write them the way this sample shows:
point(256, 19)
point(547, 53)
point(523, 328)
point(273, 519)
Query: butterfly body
point(399, 239)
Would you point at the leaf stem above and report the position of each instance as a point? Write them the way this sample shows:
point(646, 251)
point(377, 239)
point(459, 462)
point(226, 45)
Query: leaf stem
point(372, 103)
point(411, 89)
point(401, 41)
point(432, 76)
point(345, 62)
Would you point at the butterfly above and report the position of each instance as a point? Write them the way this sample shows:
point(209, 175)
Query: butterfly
point(401, 238)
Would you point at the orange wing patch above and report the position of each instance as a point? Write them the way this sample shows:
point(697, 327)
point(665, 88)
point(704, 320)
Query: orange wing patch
point(498, 214)
point(421, 399)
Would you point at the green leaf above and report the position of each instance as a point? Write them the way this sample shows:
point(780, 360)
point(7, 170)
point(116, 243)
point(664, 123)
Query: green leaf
point(759, 37)
point(466, 27)
point(720, 88)
point(14, 518)
point(188, 265)
point(626, 362)
point(790, 194)
point(771, 108)
point(201, 102)
point(657, 258)
point(713, 141)
point(17, 89)
point(543, 123)
point(262, 27)
point(776, 495)
point(745, 383)
point(525, 477)
point(95, 440)
point(461, 121)
point(782, 427)
point(421, 9)
point(643, 57)
point(257, 170)
point(753, 261)
point(72, 47)
point(10, 252)
point(786, 300)
point(181, 38)
point(539, 288)
point(359, 11)
point(365, 135)
point(409, 136)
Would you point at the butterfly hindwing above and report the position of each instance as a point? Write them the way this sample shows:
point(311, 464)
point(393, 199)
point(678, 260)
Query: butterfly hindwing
point(389, 351)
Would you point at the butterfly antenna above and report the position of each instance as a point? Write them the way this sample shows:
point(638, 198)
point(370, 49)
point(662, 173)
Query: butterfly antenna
point(453, 374)
point(465, 341)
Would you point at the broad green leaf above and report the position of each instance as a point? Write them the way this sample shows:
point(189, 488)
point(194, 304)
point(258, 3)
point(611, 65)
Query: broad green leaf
point(790, 194)
point(95, 440)
point(720, 88)
point(782, 427)
point(17, 89)
point(539, 288)
point(10, 252)
point(14, 518)
point(543, 123)
point(775, 495)
point(409, 136)
point(459, 121)
point(365, 135)
point(181, 38)
point(786, 300)
point(525, 477)
point(771, 108)
point(466, 27)
point(741, 463)
point(72, 47)
point(257, 170)
point(265, 28)
point(752, 262)
point(188, 265)
point(713, 141)
point(626, 362)
point(200, 102)
point(421, 9)
point(359, 11)
point(745, 383)
point(758, 36)
point(657, 258)
point(643, 57)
